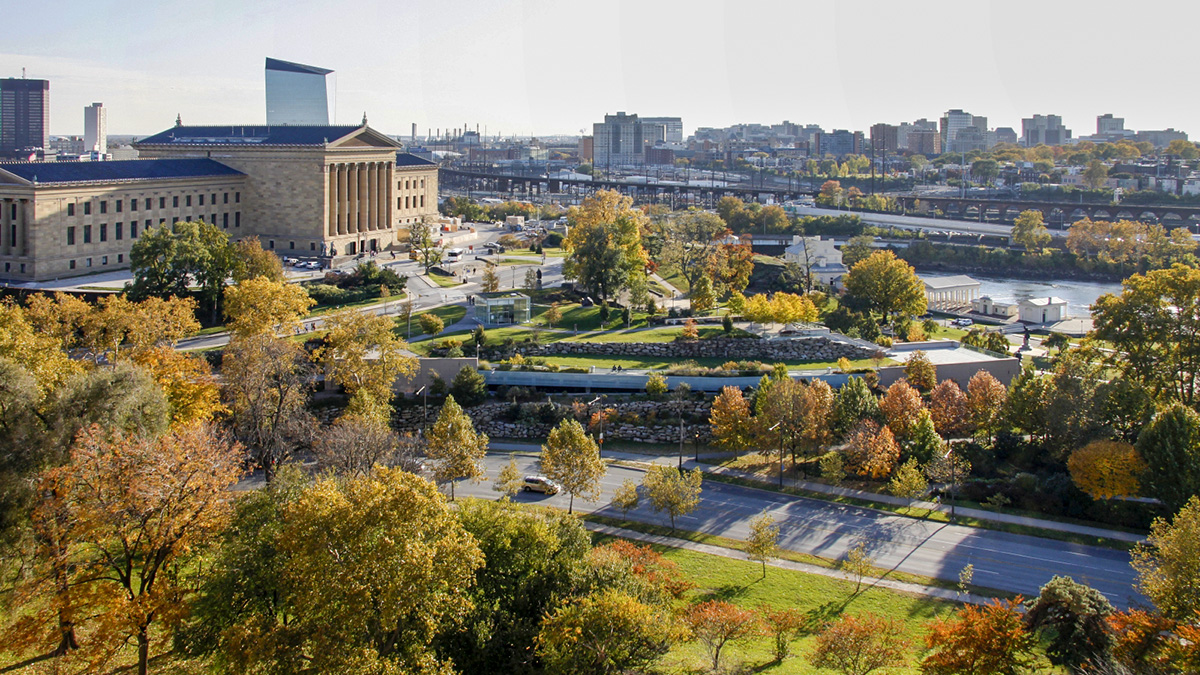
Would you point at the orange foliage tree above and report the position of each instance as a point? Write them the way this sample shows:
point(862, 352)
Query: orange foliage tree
point(987, 640)
point(113, 525)
point(1106, 469)
point(986, 398)
point(871, 451)
point(732, 427)
point(901, 407)
point(716, 623)
point(951, 413)
point(860, 644)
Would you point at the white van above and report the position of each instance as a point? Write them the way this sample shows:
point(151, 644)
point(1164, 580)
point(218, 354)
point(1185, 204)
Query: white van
point(454, 255)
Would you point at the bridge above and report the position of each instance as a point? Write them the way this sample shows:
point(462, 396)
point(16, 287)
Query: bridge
point(531, 185)
point(1006, 210)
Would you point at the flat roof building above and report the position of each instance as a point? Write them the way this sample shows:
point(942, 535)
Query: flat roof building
point(24, 117)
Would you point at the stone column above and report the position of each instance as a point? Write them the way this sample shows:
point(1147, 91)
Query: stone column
point(26, 215)
point(5, 244)
point(389, 195)
point(343, 200)
point(372, 201)
point(361, 208)
point(331, 198)
point(355, 199)
point(380, 196)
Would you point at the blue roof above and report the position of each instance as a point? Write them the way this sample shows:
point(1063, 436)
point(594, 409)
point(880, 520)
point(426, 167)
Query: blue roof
point(408, 159)
point(133, 169)
point(288, 66)
point(249, 135)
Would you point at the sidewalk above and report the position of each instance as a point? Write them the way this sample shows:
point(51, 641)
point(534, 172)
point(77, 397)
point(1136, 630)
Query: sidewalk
point(867, 582)
point(978, 514)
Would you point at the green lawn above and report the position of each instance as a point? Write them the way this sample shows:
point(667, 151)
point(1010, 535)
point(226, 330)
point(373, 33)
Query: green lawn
point(675, 278)
point(443, 280)
point(449, 314)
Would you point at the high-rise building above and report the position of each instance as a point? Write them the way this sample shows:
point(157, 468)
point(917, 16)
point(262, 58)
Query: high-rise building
point(884, 137)
point(95, 129)
point(672, 127)
point(839, 143)
point(926, 142)
point(24, 116)
point(951, 123)
point(1044, 129)
point(619, 140)
point(1107, 124)
point(297, 94)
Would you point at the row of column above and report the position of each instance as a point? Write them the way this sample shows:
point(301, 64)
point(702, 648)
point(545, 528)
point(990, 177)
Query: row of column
point(14, 226)
point(952, 297)
point(359, 197)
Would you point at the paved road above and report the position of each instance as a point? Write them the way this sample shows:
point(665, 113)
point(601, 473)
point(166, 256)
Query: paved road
point(915, 222)
point(1003, 561)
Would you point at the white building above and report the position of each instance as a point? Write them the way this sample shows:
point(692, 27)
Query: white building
point(297, 94)
point(95, 129)
point(956, 292)
point(1043, 310)
point(989, 307)
point(817, 255)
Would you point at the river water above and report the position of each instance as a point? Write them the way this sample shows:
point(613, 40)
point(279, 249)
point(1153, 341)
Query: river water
point(1079, 294)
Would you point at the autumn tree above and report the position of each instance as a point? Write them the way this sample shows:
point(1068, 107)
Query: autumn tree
point(454, 446)
point(260, 305)
point(605, 633)
point(490, 282)
point(860, 644)
point(887, 285)
point(732, 426)
point(354, 446)
point(908, 482)
point(1149, 326)
point(691, 241)
point(1029, 232)
point(986, 401)
point(950, 409)
point(626, 497)
point(656, 385)
point(1105, 469)
point(115, 521)
point(186, 380)
point(702, 296)
point(572, 458)
point(1075, 616)
point(605, 244)
point(252, 261)
point(871, 451)
point(1095, 175)
point(1170, 446)
point(920, 371)
point(431, 324)
point(364, 355)
point(553, 315)
point(509, 481)
point(425, 242)
point(717, 623)
point(817, 416)
point(783, 626)
point(1166, 563)
point(979, 640)
point(763, 543)
point(676, 492)
point(901, 407)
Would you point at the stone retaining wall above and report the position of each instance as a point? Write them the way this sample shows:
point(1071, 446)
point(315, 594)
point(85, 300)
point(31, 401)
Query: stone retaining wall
point(734, 349)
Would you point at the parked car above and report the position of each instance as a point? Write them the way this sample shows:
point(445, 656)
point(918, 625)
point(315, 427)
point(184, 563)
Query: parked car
point(300, 264)
point(541, 484)
point(962, 322)
point(290, 261)
point(312, 265)
point(492, 246)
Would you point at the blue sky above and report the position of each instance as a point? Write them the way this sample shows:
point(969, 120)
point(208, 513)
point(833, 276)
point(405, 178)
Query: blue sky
point(556, 66)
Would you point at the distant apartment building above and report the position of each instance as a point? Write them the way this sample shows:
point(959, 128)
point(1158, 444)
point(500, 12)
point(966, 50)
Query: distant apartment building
point(620, 140)
point(839, 143)
point(1160, 139)
point(66, 146)
point(586, 148)
point(1044, 130)
point(95, 129)
point(24, 117)
point(672, 127)
point(885, 137)
point(903, 130)
point(953, 122)
point(926, 142)
point(297, 94)
point(1005, 135)
point(972, 138)
point(1107, 124)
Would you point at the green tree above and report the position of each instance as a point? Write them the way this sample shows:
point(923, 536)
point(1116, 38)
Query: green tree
point(676, 492)
point(1028, 231)
point(166, 259)
point(572, 458)
point(656, 385)
point(908, 481)
point(985, 170)
point(1150, 327)
point(454, 446)
point(431, 324)
point(854, 402)
point(1096, 175)
point(605, 244)
point(469, 386)
point(1076, 617)
point(859, 247)
point(887, 285)
point(691, 242)
point(702, 295)
point(626, 497)
point(606, 633)
point(924, 442)
point(1166, 563)
point(1170, 446)
point(763, 542)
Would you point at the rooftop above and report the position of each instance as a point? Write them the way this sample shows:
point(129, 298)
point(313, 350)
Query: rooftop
point(249, 135)
point(289, 67)
point(42, 173)
point(1045, 302)
point(938, 283)
point(409, 159)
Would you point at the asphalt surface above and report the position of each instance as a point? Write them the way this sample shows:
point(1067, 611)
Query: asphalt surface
point(1007, 562)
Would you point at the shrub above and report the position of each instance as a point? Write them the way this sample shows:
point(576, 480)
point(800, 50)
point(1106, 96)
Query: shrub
point(656, 385)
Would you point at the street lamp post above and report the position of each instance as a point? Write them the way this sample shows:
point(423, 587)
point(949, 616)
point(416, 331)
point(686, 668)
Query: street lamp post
point(424, 406)
point(777, 425)
point(953, 482)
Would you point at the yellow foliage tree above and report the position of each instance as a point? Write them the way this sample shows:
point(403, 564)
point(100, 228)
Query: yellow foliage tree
point(871, 451)
point(260, 305)
point(42, 353)
point(187, 381)
point(1106, 469)
point(732, 426)
point(363, 355)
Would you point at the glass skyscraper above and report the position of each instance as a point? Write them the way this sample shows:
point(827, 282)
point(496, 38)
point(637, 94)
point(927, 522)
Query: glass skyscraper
point(297, 94)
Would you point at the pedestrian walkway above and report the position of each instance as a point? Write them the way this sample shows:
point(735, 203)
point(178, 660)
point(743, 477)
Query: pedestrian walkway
point(868, 582)
point(835, 491)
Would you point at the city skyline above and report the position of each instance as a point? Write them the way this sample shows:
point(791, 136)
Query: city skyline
point(526, 67)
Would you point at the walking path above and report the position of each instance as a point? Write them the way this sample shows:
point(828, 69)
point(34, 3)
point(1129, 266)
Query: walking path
point(867, 582)
point(979, 514)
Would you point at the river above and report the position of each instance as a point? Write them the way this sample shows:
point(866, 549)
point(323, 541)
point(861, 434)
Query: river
point(1079, 294)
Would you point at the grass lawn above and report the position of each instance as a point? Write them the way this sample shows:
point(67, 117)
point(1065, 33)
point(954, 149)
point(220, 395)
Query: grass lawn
point(676, 279)
point(449, 314)
point(533, 260)
point(443, 280)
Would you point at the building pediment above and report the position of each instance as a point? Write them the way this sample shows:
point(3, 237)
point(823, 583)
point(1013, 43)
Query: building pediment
point(364, 137)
